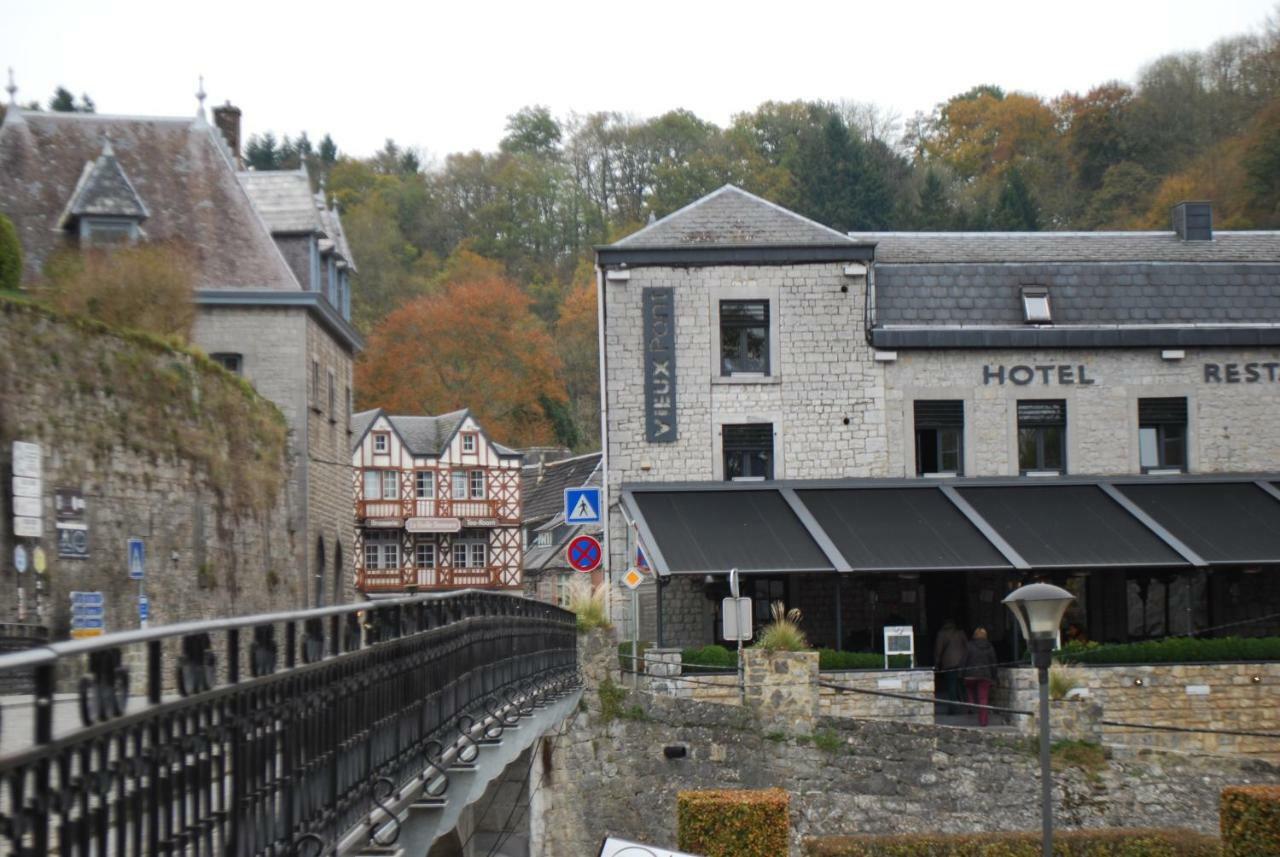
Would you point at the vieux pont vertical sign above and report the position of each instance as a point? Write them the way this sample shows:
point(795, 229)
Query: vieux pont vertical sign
point(659, 321)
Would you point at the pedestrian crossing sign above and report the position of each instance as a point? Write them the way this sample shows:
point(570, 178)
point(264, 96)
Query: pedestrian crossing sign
point(582, 505)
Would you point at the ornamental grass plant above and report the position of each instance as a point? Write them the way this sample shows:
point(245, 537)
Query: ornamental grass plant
point(587, 603)
point(783, 634)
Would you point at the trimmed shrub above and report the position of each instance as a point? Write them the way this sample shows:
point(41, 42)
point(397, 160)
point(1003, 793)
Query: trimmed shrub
point(1066, 843)
point(10, 256)
point(1250, 820)
point(1179, 650)
point(710, 656)
point(733, 823)
point(830, 659)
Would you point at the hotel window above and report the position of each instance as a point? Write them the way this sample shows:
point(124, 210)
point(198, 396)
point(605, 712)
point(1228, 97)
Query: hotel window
point(382, 550)
point(469, 442)
point(748, 451)
point(939, 437)
point(1035, 305)
point(381, 442)
point(425, 555)
point(744, 337)
point(1162, 434)
point(459, 485)
point(231, 362)
point(1042, 436)
point(424, 484)
point(477, 484)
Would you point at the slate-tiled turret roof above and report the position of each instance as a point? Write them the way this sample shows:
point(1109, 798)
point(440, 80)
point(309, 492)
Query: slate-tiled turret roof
point(176, 166)
point(104, 191)
point(731, 217)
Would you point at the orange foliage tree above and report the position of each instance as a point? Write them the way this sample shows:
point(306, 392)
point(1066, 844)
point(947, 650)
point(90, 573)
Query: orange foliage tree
point(577, 343)
point(476, 344)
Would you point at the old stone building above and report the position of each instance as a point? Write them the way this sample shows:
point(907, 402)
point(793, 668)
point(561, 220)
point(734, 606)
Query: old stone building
point(270, 267)
point(547, 573)
point(437, 504)
point(895, 429)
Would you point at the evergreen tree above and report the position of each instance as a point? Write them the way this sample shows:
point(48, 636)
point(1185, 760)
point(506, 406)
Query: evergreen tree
point(934, 210)
point(262, 153)
point(1015, 209)
point(64, 102)
point(328, 151)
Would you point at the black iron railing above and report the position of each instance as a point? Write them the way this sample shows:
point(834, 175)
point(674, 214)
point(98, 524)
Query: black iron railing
point(274, 734)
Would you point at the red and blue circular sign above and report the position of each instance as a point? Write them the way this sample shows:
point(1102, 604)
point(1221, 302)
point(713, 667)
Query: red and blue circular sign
point(584, 553)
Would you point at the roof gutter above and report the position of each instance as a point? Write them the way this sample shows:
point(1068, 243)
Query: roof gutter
point(728, 254)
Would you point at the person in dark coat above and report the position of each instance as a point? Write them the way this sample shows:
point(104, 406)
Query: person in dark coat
point(948, 656)
point(980, 672)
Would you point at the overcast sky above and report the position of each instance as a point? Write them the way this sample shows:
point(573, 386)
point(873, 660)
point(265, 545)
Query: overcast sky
point(444, 76)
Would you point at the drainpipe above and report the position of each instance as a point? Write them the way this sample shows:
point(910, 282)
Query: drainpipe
point(604, 439)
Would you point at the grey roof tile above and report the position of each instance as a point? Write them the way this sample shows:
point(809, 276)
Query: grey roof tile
point(104, 190)
point(283, 198)
point(731, 217)
point(542, 486)
point(427, 435)
point(176, 166)
point(1049, 247)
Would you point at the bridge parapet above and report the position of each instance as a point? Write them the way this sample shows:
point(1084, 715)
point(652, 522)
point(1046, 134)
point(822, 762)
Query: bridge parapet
point(276, 734)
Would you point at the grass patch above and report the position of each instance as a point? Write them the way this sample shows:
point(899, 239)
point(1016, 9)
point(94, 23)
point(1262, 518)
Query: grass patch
point(1087, 756)
point(828, 741)
point(611, 698)
point(775, 737)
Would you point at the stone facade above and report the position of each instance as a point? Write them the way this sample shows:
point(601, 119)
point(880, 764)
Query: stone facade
point(849, 776)
point(330, 525)
point(1229, 425)
point(1232, 696)
point(162, 446)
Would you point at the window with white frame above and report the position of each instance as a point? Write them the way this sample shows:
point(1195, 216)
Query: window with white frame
point(469, 442)
point(382, 551)
point(382, 485)
point(425, 555)
point(425, 484)
point(479, 555)
point(471, 549)
point(381, 442)
point(390, 485)
point(1035, 305)
point(477, 484)
point(459, 485)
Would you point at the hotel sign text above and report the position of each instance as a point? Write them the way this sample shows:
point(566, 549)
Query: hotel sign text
point(1051, 373)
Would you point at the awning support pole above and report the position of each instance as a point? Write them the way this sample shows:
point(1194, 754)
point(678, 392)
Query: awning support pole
point(839, 612)
point(657, 582)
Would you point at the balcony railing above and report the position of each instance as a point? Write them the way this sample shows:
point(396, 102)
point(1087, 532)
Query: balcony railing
point(472, 509)
point(429, 579)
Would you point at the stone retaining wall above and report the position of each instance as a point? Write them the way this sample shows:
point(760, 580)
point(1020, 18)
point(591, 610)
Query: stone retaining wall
point(1236, 696)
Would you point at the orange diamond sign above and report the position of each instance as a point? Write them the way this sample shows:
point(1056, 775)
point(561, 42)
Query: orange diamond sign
point(632, 578)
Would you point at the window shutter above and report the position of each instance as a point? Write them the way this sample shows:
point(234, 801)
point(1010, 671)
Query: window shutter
point(1042, 412)
point(1162, 412)
point(748, 437)
point(939, 413)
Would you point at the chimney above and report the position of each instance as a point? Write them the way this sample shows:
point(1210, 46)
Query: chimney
point(227, 120)
point(1193, 221)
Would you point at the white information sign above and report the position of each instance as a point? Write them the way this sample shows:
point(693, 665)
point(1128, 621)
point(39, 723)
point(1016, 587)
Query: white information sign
point(433, 525)
point(621, 848)
point(736, 618)
point(27, 528)
point(25, 486)
point(899, 640)
point(27, 507)
point(26, 459)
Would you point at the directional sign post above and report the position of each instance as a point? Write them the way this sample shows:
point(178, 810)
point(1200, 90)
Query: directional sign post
point(582, 506)
point(87, 614)
point(584, 554)
point(28, 476)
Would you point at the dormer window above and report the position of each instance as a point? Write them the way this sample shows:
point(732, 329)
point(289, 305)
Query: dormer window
point(107, 231)
point(381, 442)
point(1035, 305)
point(104, 208)
point(468, 442)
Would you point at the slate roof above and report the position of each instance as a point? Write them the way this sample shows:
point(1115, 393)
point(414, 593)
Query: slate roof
point(422, 435)
point(104, 190)
point(731, 217)
point(542, 494)
point(360, 423)
point(283, 198)
point(551, 557)
point(177, 166)
point(1005, 247)
point(332, 223)
point(1096, 280)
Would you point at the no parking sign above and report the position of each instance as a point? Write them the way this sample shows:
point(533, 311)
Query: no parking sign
point(584, 554)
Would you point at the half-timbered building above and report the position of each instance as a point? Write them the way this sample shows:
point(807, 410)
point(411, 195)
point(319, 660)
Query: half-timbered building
point(437, 504)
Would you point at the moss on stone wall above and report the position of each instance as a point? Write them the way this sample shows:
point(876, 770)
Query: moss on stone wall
point(166, 401)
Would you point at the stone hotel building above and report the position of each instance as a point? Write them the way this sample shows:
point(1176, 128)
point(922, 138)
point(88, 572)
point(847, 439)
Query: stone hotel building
point(899, 428)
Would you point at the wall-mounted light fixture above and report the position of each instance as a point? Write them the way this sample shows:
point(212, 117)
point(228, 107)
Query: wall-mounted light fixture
point(1138, 682)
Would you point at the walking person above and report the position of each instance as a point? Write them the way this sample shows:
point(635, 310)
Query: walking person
point(980, 672)
point(948, 656)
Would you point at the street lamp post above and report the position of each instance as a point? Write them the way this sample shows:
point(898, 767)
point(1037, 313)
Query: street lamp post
point(1039, 608)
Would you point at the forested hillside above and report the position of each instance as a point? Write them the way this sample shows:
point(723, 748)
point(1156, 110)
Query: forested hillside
point(508, 233)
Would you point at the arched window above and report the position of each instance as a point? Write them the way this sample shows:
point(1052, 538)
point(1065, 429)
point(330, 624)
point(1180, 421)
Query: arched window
point(320, 569)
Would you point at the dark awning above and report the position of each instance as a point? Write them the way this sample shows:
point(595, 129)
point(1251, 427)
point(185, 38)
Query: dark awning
point(900, 529)
point(1069, 526)
point(714, 531)
point(1227, 523)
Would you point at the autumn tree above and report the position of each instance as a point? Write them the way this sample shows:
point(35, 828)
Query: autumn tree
point(475, 344)
point(577, 344)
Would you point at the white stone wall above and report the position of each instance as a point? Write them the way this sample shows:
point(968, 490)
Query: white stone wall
point(822, 375)
point(1230, 425)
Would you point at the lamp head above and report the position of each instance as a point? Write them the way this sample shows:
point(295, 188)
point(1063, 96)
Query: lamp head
point(1039, 608)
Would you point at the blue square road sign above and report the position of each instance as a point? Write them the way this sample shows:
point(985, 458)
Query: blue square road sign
point(582, 506)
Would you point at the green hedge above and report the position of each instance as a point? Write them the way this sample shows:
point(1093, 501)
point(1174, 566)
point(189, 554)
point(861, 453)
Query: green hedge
point(1179, 650)
point(710, 656)
point(1066, 843)
point(830, 659)
point(1250, 819)
point(733, 823)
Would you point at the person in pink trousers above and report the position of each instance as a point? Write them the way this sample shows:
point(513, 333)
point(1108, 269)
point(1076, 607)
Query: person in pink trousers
point(980, 672)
